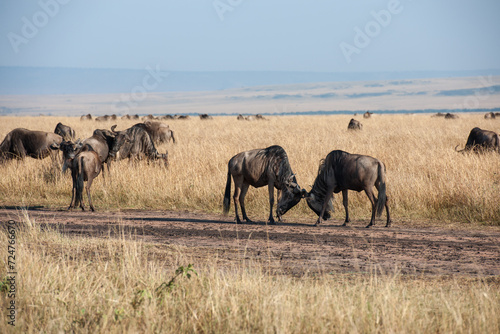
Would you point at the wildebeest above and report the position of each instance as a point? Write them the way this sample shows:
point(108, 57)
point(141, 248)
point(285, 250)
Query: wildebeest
point(86, 166)
point(450, 116)
point(258, 168)
point(148, 117)
point(354, 125)
point(342, 171)
point(481, 140)
point(102, 118)
point(240, 117)
point(64, 131)
point(205, 116)
point(181, 117)
point(165, 117)
point(21, 142)
point(87, 117)
point(367, 114)
point(490, 115)
point(125, 117)
point(159, 132)
point(104, 142)
point(140, 145)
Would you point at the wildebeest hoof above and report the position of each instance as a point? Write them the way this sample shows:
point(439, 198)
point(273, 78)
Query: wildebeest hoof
point(345, 224)
point(388, 224)
point(369, 225)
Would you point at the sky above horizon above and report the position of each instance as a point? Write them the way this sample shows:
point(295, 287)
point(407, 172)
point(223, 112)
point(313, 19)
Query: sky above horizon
point(252, 35)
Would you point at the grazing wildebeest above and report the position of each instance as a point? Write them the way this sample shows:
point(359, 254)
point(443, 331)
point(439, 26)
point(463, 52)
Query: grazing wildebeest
point(240, 117)
point(367, 114)
point(258, 168)
point(102, 118)
point(205, 116)
point(87, 117)
point(64, 131)
point(490, 115)
point(165, 117)
point(140, 145)
point(181, 117)
point(148, 117)
point(354, 125)
point(159, 132)
point(450, 116)
point(125, 117)
point(342, 171)
point(481, 140)
point(86, 166)
point(20, 143)
point(439, 114)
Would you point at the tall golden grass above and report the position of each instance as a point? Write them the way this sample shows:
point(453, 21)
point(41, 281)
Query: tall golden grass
point(426, 178)
point(119, 285)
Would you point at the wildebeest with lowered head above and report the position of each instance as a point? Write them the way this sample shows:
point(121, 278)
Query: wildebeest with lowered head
point(354, 125)
point(140, 145)
point(20, 143)
point(64, 131)
point(342, 171)
point(481, 140)
point(86, 166)
point(258, 168)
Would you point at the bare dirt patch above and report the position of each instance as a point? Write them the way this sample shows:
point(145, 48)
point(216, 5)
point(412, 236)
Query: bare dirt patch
point(293, 246)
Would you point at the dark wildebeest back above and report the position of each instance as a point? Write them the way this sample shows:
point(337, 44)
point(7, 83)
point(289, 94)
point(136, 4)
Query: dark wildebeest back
point(489, 115)
point(354, 125)
point(86, 166)
point(64, 131)
point(481, 140)
point(367, 114)
point(258, 168)
point(20, 143)
point(205, 116)
point(140, 145)
point(341, 171)
point(450, 116)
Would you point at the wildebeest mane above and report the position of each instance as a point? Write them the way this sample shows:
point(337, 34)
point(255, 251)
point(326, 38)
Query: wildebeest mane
point(328, 166)
point(277, 159)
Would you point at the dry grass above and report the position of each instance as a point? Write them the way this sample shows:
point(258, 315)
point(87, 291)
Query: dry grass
point(427, 179)
point(119, 286)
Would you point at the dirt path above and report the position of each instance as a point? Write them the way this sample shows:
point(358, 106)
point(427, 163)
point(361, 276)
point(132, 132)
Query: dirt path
point(294, 245)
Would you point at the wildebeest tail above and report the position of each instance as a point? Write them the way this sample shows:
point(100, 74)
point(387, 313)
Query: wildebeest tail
point(382, 196)
point(79, 182)
point(173, 138)
point(227, 194)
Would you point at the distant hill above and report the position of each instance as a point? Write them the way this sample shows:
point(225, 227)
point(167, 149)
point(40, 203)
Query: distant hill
point(55, 81)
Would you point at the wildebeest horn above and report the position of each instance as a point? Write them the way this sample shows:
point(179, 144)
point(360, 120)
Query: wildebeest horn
point(113, 128)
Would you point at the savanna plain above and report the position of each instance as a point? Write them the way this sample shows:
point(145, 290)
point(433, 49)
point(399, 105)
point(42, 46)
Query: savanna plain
point(159, 256)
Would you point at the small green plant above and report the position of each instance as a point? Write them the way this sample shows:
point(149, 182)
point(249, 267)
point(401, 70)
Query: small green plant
point(167, 287)
point(4, 285)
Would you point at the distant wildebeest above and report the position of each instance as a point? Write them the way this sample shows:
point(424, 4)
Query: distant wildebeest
point(20, 143)
point(185, 117)
point(342, 171)
point(159, 132)
point(148, 117)
point(240, 117)
point(367, 114)
point(450, 116)
point(125, 117)
point(490, 115)
point(259, 117)
point(205, 116)
point(86, 166)
point(258, 168)
point(354, 125)
point(139, 146)
point(87, 117)
point(481, 140)
point(102, 118)
point(64, 131)
point(165, 117)
point(439, 114)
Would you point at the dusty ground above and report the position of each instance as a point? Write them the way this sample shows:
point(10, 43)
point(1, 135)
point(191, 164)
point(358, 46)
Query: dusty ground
point(295, 246)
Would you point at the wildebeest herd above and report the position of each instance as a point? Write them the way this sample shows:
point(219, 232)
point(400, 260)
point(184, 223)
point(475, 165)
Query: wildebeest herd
point(338, 172)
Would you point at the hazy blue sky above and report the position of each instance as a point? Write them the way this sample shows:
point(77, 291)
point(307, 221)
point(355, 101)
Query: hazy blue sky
point(283, 35)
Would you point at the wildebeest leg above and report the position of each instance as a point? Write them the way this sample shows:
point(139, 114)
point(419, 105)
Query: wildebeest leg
point(89, 183)
point(237, 187)
point(279, 197)
point(244, 189)
point(271, 202)
point(387, 211)
point(373, 200)
point(73, 195)
point(328, 197)
point(345, 201)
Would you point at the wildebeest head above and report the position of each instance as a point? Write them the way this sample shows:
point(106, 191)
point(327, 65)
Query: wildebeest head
point(316, 205)
point(70, 150)
point(119, 139)
point(291, 194)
